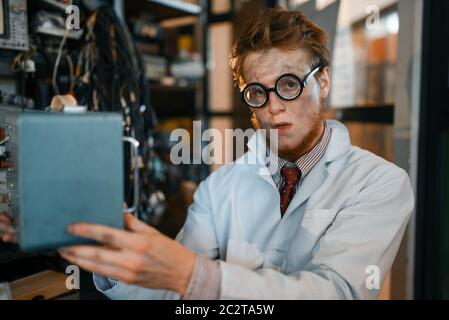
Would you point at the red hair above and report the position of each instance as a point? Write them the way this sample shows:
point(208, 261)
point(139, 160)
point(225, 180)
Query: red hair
point(278, 28)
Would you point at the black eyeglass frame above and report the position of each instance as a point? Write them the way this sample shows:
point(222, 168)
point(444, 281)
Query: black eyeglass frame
point(302, 85)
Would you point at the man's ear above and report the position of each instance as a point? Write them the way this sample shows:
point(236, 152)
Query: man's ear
point(325, 83)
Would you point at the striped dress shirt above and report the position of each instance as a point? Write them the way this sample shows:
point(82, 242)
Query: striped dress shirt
point(305, 163)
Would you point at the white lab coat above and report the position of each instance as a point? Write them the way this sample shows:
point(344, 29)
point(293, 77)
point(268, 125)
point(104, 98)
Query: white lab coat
point(346, 220)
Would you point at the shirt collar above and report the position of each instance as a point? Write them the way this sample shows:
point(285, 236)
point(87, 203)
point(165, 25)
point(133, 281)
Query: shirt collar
point(307, 161)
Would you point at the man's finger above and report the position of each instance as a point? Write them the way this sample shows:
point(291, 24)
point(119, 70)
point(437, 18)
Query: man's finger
point(5, 227)
point(107, 235)
point(109, 271)
point(4, 218)
point(100, 255)
point(9, 237)
point(134, 224)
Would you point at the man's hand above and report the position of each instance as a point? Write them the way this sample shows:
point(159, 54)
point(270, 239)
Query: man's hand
point(141, 255)
point(7, 233)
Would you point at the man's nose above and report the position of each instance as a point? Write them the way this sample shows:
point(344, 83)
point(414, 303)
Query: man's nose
point(275, 104)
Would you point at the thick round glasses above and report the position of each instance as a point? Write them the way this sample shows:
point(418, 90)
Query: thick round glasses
point(288, 87)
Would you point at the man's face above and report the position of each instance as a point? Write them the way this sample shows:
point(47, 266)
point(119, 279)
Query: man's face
point(299, 122)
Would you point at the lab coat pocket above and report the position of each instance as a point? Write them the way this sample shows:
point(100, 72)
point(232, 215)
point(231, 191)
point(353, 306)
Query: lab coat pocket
point(245, 254)
point(316, 221)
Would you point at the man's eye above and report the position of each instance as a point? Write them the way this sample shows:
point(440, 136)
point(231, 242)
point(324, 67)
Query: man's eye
point(291, 84)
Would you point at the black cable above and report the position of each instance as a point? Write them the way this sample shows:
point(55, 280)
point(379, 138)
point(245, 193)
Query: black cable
point(116, 74)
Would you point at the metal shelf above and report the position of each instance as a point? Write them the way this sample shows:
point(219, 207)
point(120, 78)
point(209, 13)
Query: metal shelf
point(375, 114)
point(174, 88)
point(52, 5)
point(72, 34)
point(162, 9)
point(186, 7)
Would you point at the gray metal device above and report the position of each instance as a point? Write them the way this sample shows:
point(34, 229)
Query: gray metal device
point(14, 25)
point(63, 168)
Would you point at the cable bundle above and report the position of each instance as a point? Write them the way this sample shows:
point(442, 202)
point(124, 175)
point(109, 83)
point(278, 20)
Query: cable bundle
point(110, 77)
point(109, 69)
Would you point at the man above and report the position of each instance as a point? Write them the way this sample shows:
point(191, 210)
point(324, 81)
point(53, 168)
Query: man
point(310, 229)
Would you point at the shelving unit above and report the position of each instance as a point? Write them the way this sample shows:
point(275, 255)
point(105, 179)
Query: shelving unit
point(163, 10)
point(177, 98)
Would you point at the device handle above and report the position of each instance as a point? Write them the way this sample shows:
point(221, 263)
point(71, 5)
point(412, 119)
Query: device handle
point(135, 157)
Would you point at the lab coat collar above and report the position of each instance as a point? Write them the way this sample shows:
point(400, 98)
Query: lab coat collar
point(340, 142)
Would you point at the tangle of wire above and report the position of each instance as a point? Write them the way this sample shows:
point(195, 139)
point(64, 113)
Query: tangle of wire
point(108, 64)
point(110, 77)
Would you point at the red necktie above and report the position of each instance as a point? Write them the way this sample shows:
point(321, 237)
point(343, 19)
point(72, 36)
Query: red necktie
point(291, 176)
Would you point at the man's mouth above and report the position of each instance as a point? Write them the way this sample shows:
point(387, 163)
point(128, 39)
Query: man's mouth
point(281, 126)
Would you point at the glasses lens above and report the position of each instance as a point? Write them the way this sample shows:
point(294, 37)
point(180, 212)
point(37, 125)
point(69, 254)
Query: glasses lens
point(288, 87)
point(254, 96)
